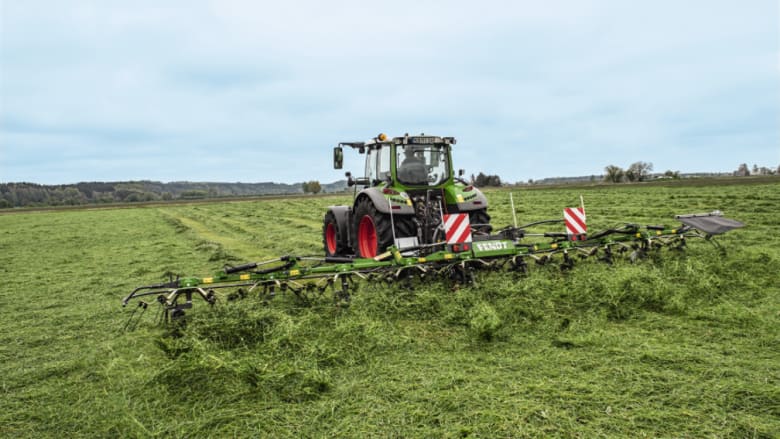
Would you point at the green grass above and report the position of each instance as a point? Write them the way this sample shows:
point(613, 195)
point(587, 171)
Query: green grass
point(686, 345)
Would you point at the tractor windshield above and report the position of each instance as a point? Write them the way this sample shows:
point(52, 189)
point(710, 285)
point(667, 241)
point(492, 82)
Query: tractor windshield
point(422, 165)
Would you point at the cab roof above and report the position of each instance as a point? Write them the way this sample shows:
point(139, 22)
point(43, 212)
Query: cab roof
point(422, 139)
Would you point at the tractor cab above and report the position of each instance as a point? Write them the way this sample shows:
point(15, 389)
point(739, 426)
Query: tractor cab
point(409, 161)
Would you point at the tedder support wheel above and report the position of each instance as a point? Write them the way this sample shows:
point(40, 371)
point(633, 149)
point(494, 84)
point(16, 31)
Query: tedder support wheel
point(480, 221)
point(332, 241)
point(372, 230)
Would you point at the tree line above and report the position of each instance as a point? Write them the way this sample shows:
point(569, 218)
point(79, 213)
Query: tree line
point(483, 180)
point(38, 195)
point(641, 171)
point(311, 187)
point(637, 171)
point(744, 171)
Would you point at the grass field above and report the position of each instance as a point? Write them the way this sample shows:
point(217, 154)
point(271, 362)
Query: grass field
point(686, 345)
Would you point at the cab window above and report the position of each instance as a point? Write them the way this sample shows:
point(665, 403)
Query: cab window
point(422, 165)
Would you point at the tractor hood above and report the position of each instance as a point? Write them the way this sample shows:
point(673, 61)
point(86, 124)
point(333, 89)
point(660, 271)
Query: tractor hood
point(466, 198)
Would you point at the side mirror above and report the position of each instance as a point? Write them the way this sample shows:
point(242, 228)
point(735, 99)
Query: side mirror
point(338, 157)
point(461, 172)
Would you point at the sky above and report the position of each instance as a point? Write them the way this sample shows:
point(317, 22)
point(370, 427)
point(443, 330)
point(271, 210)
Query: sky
point(256, 91)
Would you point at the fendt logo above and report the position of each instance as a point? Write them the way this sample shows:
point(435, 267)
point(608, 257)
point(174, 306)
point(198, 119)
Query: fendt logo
point(492, 245)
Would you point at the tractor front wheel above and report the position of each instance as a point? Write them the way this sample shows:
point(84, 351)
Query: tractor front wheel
point(372, 230)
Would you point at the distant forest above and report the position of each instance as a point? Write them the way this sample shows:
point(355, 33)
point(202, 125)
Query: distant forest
point(38, 195)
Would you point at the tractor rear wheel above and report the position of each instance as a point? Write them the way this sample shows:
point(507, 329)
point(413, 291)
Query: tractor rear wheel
point(332, 241)
point(404, 226)
point(372, 230)
point(480, 221)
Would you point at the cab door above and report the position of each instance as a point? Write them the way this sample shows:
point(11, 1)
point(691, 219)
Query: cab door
point(378, 164)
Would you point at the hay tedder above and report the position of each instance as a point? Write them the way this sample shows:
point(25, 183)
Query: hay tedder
point(414, 218)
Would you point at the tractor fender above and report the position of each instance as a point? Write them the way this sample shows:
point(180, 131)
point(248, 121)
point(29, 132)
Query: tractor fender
point(473, 200)
point(381, 204)
point(342, 214)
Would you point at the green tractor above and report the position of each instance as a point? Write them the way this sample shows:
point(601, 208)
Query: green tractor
point(408, 187)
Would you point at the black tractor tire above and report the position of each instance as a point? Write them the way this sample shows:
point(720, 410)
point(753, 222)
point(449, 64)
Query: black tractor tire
point(480, 221)
point(372, 232)
point(332, 240)
point(404, 226)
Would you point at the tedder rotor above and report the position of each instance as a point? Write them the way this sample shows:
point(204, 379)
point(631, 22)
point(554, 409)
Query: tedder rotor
point(414, 218)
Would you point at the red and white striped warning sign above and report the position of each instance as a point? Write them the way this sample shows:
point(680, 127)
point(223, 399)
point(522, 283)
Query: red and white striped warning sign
point(457, 228)
point(574, 217)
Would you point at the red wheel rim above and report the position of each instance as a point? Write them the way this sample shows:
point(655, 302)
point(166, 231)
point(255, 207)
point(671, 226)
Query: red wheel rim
point(367, 237)
point(330, 238)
